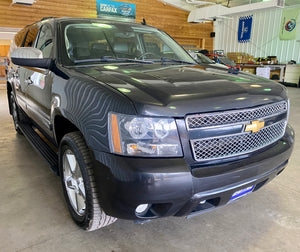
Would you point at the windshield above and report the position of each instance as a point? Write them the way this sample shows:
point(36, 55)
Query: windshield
point(87, 43)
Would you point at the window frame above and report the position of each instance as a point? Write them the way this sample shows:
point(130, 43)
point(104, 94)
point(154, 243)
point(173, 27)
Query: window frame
point(33, 26)
point(46, 24)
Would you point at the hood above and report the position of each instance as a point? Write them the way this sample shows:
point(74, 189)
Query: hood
point(172, 90)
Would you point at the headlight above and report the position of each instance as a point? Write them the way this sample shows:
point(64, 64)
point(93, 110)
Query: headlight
point(143, 136)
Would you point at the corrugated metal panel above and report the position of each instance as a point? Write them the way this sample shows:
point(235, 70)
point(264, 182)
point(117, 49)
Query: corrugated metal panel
point(264, 38)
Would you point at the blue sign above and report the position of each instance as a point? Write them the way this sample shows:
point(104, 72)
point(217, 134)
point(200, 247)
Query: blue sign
point(245, 26)
point(115, 10)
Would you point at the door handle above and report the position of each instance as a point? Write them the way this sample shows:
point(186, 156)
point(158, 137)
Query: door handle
point(28, 81)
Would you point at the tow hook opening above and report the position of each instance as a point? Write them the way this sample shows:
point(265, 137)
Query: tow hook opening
point(206, 204)
point(260, 184)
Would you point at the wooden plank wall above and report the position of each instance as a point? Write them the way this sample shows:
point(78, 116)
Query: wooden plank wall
point(174, 21)
point(4, 50)
point(156, 13)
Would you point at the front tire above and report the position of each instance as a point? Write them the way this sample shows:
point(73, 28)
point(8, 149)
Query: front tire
point(76, 172)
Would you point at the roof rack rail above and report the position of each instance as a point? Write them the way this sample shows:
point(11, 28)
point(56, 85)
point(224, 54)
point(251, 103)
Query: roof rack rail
point(45, 18)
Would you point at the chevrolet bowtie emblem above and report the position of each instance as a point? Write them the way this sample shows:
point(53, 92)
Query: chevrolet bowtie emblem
point(255, 126)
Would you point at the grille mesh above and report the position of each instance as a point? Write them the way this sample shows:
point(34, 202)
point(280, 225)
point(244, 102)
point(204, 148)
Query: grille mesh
point(228, 117)
point(228, 146)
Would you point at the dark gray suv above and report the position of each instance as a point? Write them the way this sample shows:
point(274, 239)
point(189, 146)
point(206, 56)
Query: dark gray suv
point(135, 127)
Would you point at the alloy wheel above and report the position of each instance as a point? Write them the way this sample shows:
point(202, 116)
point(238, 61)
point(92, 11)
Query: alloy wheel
point(74, 182)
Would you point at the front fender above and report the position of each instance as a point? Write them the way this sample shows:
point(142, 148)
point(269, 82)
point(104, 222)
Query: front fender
point(86, 104)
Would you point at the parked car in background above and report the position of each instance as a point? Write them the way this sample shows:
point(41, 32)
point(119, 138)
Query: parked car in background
point(135, 128)
point(204, 60)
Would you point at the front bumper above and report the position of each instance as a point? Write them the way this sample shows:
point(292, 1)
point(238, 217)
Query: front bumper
point(173, 188)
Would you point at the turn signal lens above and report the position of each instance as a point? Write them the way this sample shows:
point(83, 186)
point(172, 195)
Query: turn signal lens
point(115, 134)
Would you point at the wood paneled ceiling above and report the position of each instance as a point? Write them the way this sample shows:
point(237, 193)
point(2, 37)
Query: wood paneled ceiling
point(192, 4)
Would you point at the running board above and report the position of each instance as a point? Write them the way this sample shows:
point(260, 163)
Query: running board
point(40, 146)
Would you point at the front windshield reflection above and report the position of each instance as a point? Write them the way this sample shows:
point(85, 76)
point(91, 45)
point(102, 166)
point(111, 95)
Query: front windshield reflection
point(87, 43)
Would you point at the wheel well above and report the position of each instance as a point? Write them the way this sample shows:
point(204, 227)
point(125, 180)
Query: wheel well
point(9, 89)
point(62, 127)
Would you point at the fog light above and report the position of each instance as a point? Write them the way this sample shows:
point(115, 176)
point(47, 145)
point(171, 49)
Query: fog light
point(141, 208)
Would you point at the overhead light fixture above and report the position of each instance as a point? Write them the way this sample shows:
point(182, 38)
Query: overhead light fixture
point(181, 4)
point(24, 2)
point(196, 2)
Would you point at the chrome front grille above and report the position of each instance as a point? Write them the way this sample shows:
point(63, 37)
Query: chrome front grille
point(229, 117)
point(232, 145)
point(217, 146)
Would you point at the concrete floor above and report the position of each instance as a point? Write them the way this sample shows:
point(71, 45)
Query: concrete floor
point(34, 216)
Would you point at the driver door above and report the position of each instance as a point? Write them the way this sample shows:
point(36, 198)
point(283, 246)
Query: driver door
point(39, 81)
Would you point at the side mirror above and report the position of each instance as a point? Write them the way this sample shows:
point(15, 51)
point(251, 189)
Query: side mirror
point(30, 57)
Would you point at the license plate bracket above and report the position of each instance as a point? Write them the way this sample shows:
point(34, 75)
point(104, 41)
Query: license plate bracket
point(241, 193)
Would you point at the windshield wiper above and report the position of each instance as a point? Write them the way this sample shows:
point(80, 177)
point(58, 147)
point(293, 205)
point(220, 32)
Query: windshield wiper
point(137, 60)
point(109, 59)
point(165, 59)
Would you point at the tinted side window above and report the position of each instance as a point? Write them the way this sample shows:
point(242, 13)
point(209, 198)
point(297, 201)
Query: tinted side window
point(31, 36)
point(152, 44)
point(45, 41)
